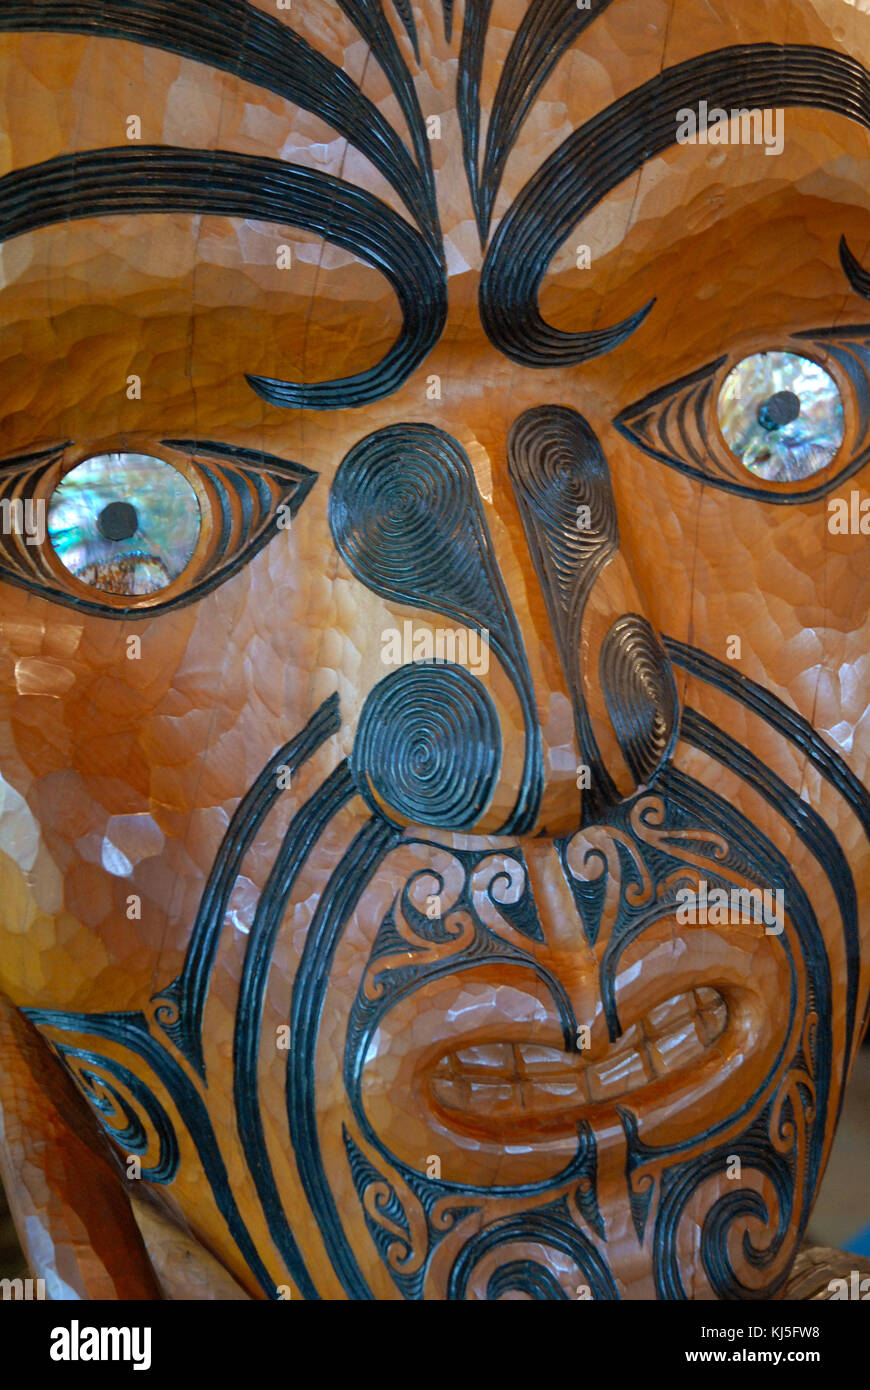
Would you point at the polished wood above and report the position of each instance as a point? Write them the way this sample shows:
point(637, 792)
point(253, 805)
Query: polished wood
point(104, 756)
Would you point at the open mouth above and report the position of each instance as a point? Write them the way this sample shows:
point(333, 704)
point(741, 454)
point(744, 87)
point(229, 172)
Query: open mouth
point(516, 1082)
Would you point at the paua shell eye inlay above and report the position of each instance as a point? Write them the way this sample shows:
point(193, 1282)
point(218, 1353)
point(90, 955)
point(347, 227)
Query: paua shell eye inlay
point(782, 416)
point(124, 523)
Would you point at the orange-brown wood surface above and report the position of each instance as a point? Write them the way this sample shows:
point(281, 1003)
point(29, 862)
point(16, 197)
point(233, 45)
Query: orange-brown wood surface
point(120, 771)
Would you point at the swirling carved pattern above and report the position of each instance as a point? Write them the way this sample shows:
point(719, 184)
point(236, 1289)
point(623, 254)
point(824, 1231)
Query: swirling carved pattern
point(407, 519)
point(428, 747)
point(550, 1227)
point(556, 466)
point(116, 1113)
point(130, 1031)
point(640, 694)
point(742, 1204)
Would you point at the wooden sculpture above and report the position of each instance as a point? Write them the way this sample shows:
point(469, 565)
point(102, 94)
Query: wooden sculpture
point(433, 641)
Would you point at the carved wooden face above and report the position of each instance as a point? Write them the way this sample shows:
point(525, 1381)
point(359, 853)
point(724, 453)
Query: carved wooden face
point(434, 832)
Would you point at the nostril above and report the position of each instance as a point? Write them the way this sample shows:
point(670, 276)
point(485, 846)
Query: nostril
point(640, 694)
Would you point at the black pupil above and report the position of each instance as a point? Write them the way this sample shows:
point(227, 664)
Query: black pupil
point(118, 521)
point(778, 410)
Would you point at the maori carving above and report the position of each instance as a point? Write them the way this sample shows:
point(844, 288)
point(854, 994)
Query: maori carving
point(387, 999)
point(406, 517)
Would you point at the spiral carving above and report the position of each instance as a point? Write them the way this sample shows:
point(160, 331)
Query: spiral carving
point(557, 466)
point(640, 693)
point(406, 517)
point(428, 747)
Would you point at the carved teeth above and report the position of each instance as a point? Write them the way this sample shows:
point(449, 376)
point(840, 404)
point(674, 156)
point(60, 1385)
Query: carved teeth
point(515, 1078)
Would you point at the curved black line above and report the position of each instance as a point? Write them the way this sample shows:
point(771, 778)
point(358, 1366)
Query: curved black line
point(130, 1030)
point(187, 994)
point(134, 1138)
point(858, 277)
point(238, 38)
point(406, 517)
point(545, 32)
point(338, 900)
point(368, 17)
point(474, 27)
point(785, 721)
point(546, 1227)
point(160, 179)
point(302, 834)
point(604, 151)
point(810, 829)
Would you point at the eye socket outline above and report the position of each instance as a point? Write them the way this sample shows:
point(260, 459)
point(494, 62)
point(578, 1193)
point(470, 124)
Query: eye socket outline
point(293, 480)
point(123, 603)
point(856, 419)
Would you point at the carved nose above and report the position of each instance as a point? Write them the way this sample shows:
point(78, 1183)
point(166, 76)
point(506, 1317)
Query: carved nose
point(617, 674)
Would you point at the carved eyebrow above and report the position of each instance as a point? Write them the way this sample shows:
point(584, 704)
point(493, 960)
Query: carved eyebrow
point(615, 143)
point(235, 37)
point(159, 178)
point(545, 32)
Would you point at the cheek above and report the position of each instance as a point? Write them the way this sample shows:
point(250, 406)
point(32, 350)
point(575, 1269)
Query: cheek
point(122, 762)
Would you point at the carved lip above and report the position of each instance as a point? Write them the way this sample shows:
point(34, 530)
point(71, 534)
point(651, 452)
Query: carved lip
point(514, 1087)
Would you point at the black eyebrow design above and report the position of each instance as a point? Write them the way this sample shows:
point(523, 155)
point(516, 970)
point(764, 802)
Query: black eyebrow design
point(604, 151)
point(237, 38)
point(545, 32)
point(158, 178)
point(858, 277)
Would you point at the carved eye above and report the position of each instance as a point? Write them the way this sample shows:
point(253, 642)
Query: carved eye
point(781, 415)
point(124, 523)
point(129, 534)
point(763, 424)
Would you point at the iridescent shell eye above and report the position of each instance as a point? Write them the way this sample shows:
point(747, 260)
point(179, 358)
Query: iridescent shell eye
point(781, 415)
point(124, 523)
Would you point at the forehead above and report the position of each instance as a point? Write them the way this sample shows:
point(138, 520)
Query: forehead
point(732, 245)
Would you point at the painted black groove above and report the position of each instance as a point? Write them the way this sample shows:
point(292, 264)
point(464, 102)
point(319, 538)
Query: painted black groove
point(556, 465)
point(182, 1003)
point(550, 1226)
point(474, 27)
point(858, 277)
point(238, 38)
point(130, 1031)
point(252, 458)
point(616, 142)
point(810, 828)
point(302, 834)
point(640, 695)
point(546, 31)
point(368, 17)
point(428, 747)
point(406, 15)
point(785, 721)
point(344, 889)
point(406, 517)
point(157, 178)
